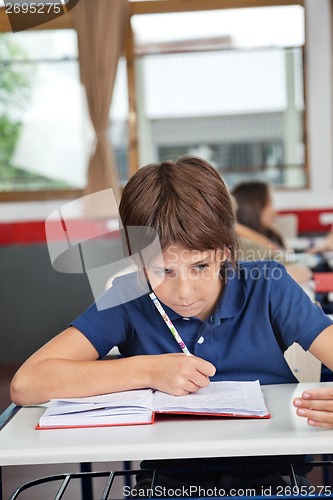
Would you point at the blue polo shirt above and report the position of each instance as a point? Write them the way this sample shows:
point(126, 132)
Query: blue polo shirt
point(260, 303)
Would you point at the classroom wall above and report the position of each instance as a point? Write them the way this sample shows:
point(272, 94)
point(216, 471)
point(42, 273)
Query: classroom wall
point(319, 87)
point(36, 301)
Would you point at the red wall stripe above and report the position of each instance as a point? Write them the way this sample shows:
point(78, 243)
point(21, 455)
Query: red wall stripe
point(26, 232)
point(34, 231)
point(309, 220)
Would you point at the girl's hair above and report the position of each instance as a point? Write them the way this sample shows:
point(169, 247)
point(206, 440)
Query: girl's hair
point(185, 201)
point(251, 198)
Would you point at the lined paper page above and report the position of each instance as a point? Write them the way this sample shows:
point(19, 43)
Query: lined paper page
point(219, 397)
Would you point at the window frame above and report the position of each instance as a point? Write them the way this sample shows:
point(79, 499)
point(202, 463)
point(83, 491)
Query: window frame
point(63, 22)
point(172, 6)
point(66, 21)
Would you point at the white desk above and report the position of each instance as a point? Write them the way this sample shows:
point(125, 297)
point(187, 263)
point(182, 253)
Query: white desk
point(302, 243)
point(169, 438)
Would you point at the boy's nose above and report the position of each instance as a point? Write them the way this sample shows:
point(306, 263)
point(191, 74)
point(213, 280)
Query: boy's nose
point(184, 289)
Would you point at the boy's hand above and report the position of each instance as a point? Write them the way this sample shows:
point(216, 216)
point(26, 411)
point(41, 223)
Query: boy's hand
point(317, 406)
point(178, 374)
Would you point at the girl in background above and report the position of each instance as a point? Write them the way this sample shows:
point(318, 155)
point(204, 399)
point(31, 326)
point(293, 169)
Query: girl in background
point(255, 210)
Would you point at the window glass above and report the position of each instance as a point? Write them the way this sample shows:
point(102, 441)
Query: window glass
point(243, 27)
point(227, 85)
point(42, 117)
point(118, 129)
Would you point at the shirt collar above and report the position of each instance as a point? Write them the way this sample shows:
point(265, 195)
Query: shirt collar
point(171, 313)
point(233, 296)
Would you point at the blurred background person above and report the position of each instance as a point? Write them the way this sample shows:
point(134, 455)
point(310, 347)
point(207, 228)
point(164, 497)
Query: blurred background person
point(255, 211)
point(255, 227)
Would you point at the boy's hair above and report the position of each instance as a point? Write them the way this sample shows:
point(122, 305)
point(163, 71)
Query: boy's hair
point(185, 201)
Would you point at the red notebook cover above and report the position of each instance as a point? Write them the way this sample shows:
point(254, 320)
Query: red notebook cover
point(152, 421)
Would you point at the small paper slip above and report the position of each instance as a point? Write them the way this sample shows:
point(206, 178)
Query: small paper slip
point(220, 399)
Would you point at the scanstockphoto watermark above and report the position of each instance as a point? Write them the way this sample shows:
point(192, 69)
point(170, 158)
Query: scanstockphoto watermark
point(186, 492)
point(101, 248)
point(280, 255)
point(266, 271)
point(282, 491)
point(26, 14)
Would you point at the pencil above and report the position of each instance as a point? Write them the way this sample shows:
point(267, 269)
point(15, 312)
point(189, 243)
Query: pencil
point(169, 323)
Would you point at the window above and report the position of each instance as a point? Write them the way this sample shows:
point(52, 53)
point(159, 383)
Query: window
point(118, 132)
point(41, 112)
point(227, 85)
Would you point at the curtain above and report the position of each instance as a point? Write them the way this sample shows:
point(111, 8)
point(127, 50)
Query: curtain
point(101, 26)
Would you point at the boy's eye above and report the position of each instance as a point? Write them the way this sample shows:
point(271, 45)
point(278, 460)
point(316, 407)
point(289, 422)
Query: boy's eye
point(162, 272)
point(201, 267)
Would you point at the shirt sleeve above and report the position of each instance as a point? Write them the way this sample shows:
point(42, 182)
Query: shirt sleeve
point(104, 327)
point(294, 317)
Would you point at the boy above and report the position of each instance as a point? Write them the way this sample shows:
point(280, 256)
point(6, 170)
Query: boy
point(235, 318)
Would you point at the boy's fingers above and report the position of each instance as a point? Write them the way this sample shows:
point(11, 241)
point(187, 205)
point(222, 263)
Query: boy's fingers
point(203, 366)
point(322, 393)
point(317, 415)
point(317, 406)
point(317, 399)
point(323, 425)
point(200, 380)
point(208, 369)
point(320, 404)
point(318, 418)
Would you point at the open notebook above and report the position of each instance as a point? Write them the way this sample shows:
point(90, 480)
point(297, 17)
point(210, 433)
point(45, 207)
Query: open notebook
point(224, 399)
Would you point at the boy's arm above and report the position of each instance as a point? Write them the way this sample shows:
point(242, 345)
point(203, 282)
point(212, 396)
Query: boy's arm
point(317, 404)
point(68, 366)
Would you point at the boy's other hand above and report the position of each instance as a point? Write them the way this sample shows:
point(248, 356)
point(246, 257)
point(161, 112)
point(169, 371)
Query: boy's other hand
point(317, 406)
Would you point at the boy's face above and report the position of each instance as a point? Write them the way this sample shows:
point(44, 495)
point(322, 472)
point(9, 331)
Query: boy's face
point(191, 283)
point(268, 214)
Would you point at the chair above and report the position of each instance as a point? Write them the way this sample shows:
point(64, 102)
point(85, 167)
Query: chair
point(287, 225)
point(303, 364)
point(125, 270)
point(86, 478)
point(202, 473)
